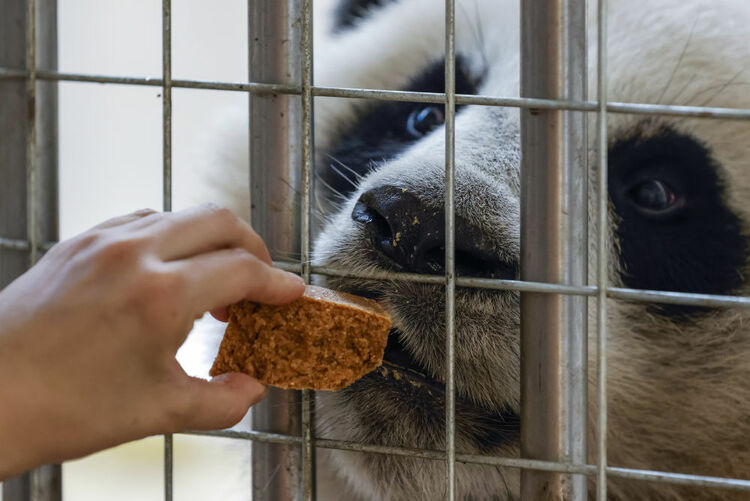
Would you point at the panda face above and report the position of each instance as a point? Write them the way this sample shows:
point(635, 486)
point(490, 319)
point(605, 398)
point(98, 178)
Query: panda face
point(679, 200)
point(678, 219)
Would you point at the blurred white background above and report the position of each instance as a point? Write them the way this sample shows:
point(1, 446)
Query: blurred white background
point(111, 162)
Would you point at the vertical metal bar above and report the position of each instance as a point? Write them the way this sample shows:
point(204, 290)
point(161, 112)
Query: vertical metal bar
point(166, 41)
point(308, 397)
point(553, 246)
point(14, 123)
point(450, 247)
point(601, 276)
point(166, 54)
point(168, 466)
point(28, 177)
point(276, 144)
point(32, 217)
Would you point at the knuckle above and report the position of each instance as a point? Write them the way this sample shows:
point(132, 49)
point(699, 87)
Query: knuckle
point(251, 231)
point(210, 207)
point(225, 217)
point(113, 251)
point(248, 261)
point(144, 212)
point(87, 241)
point(218, 211)
point(242, 254)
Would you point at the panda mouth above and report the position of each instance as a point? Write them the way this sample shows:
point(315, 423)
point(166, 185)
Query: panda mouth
point(416, 387)
point(398, 361)
point(398, 358)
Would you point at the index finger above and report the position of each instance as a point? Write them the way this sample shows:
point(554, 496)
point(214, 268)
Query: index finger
point(223, 277)
point(204, 229)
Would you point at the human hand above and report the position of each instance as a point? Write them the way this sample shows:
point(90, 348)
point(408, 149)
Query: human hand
point(88, 336)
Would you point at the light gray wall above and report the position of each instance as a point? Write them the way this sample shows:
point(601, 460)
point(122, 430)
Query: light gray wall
point(110, 163)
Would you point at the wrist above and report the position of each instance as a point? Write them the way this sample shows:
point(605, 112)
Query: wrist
point(20, 449)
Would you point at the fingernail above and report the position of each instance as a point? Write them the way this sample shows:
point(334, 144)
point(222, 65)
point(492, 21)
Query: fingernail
point(290, 278)
point(296, 279)
point(263, 389)
point(220, 378)
point(228, 376)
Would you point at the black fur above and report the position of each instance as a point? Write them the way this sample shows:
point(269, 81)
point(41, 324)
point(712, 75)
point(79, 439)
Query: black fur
point(349, 11)
point(486, 429)
point(381, 133)
point(700, 247)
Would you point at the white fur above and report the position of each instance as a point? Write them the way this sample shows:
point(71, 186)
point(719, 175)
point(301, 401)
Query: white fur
point(679, 396)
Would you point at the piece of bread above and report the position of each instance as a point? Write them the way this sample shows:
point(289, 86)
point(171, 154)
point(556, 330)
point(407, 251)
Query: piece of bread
point(324, 340)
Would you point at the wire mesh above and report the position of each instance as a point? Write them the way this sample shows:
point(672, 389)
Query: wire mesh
point(307, 91)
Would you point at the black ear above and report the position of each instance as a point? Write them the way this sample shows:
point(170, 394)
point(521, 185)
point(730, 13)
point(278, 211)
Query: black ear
point(349, 11)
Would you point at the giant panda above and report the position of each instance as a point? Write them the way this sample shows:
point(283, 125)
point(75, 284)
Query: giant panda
point(679, 201)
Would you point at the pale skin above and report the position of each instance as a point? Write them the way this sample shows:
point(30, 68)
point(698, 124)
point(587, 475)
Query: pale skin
point(88, 336)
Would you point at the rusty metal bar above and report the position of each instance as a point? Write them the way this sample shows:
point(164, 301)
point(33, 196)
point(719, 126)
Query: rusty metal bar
point(276, 158)
point(306, 209)
point(28, 177)
point(553, 247)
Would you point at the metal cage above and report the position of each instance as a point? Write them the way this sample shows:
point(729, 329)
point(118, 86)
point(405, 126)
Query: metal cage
point(554, 107)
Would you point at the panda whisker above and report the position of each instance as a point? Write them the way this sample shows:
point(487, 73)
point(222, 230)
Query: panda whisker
point(685, 87)
point(725, 87)
point(333, 190)
point(333, 167)
point(679, 60)
point(356, 175)
point(317, 211)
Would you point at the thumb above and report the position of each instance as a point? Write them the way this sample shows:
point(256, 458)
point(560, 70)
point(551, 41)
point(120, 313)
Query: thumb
point(222, 401)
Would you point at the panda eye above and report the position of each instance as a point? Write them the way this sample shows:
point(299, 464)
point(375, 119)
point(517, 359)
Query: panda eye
point(421, 121)
point(654, 197)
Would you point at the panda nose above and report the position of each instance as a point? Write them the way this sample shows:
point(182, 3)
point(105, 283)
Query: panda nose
point(409, 233)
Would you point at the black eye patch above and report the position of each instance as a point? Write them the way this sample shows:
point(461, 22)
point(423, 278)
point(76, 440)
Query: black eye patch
point(349, 11)
point(674, 229)
point(386, 129)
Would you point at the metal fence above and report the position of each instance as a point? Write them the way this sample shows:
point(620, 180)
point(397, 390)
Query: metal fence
point(552, 449)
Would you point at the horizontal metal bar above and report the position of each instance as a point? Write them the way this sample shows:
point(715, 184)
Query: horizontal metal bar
point(398, 451)
point(257, 436)
point(394, 95)
point(680, 478)
point(583, 469)
point(379, 94)
point(23, 245)
point(159, 82)
point(13, 244)
point(8, 74)
point(684, 298)
point(479, 283)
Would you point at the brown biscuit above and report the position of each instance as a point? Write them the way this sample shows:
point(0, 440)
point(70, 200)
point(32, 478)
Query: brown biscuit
point(324, 340)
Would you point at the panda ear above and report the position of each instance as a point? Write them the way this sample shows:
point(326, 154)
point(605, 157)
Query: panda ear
point(349, 12)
